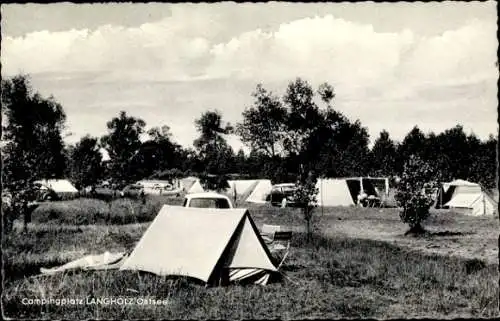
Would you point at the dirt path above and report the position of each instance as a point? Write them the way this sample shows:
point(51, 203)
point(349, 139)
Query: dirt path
point(467, 244)
point(451, 234)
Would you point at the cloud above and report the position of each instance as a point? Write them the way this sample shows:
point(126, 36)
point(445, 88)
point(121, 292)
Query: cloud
point(375, 74)
point(319, 47)
point(326, 48)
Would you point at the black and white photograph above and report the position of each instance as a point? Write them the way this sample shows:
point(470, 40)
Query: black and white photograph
point(239, 161)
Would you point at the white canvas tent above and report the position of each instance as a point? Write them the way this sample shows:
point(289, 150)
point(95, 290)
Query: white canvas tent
point(333, 192)
point(467, 197)
point(345, 191)
point(237, 188)
point(191, 185)
point(213, 245)
point(57, 185)
point(259, 191)
point(196, 188)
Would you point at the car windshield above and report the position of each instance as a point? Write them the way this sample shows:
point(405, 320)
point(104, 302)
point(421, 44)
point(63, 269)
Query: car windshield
point(209, 203)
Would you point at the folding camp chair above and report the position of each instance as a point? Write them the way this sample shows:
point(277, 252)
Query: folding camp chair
point(274, 239)
point(374, 201)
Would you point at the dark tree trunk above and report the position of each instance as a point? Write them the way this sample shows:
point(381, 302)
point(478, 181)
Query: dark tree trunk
point(308, 224)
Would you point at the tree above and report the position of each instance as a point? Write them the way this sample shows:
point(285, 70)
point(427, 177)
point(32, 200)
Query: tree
point(240, 162)
point(303, 117)
point(456, 152)
point(86, 162)
point(263, 124)
point(157, 153)
point(414, 143)
point(351, 150)
point(305, 197)
point(414, 193)
point(384, 155)
point(34, 147)
point(484, 166)
point(304, 121)
point(339, 147)
point(326, 92)
point(122, 143)
point(215, 155)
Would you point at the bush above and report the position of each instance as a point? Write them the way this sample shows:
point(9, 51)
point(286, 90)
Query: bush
point(414, 193)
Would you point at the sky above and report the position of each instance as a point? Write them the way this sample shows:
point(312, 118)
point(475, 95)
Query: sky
point(393, 65)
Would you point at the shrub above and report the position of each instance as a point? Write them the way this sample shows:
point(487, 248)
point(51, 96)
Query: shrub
point(414, 193)
point(305, 197)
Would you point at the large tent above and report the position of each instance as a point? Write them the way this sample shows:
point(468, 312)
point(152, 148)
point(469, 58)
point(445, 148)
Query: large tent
point(250, 190)
point(212, 245)
point(342, 191)
point(60, 186)
point(334, 192)
point(467, 197)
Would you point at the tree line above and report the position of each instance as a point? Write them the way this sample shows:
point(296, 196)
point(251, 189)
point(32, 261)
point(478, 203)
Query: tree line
point(288, 137)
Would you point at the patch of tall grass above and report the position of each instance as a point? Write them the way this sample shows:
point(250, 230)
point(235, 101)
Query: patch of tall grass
point(48, 245)
point(88, 211)
point(325, 278)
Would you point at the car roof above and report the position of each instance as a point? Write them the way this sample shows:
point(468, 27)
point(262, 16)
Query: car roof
point(207, 194)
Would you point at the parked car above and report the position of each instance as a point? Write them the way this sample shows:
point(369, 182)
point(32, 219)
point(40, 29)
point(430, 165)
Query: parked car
point(283, 195)
point(132, 190)
point(42, 193)
point(207, 200)
point(168, 190)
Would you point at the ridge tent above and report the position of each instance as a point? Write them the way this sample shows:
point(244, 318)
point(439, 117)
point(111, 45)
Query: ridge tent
point(239, 187)
point(59, 186)
point(191, 185)
point(196, 188)
point(333, 192)
point(249, 190)
point(212, 245)
point(260, 191)
point(342, 191)
point(467, 197)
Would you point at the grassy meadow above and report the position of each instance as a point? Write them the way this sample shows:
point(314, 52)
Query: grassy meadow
point(337, 275)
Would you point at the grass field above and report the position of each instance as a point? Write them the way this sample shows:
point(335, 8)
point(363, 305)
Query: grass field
point(359, 265)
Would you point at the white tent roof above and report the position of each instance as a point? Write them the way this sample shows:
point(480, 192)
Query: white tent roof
point(58, 185)
point(459, 182)
point(193, 241)
point(333, 192)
